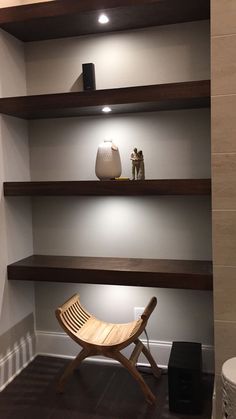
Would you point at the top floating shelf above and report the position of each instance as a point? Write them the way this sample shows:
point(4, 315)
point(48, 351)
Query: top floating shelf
point(65, 18)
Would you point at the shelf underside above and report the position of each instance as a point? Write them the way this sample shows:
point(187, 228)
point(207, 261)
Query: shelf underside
point(183, 274)
point(110, 187)
point(64, 18)
point(170, 96)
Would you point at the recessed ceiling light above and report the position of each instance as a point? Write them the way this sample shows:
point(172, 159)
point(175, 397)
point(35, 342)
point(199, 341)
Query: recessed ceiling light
point(103, 19)
point(106, 109)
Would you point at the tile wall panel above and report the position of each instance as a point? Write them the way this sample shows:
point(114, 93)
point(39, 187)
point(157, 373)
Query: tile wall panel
point(223, 78)
point(223, 126)
point(223, 62)
point(224, 180)
point(225, 293)
point(223, 17)
point(224, 237)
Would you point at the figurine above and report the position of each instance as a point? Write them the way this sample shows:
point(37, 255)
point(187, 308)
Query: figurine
point(141, 171)
point(137, 164)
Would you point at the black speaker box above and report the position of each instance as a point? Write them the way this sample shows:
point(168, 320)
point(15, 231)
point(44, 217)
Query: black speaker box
point(185, 378)
point(89, 76)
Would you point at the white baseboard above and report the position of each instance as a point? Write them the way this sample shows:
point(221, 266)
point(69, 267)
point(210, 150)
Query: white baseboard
point(60, 345)
point(16, 360)
point(213, 416)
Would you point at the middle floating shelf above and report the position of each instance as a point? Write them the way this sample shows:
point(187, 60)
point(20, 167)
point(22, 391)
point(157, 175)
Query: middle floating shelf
point(157, 97)
point(110, 187)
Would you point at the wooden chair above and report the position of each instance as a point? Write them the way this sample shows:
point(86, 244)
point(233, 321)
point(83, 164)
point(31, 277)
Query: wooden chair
point(99, 338)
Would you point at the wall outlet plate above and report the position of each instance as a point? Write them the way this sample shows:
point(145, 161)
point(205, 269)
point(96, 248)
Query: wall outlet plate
point(138, 311)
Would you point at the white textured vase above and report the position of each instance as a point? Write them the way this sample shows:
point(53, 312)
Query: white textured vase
point(108, 164)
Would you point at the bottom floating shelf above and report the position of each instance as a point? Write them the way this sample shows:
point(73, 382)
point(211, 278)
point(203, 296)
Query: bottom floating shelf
point(162, 273)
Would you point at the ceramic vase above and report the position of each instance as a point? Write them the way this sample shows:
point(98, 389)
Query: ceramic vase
point(108, 164)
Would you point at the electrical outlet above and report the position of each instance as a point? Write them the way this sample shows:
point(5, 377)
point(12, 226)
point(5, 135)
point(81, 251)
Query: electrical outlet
point(138, 311)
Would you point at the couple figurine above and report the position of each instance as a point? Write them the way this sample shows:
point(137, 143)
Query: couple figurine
point(137, 165)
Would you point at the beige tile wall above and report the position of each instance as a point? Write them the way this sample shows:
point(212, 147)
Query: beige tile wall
point(223, 42)
point(10, 3)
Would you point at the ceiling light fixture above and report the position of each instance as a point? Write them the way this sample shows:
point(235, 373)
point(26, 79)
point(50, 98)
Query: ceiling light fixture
point(103, 19)
point(106, 109)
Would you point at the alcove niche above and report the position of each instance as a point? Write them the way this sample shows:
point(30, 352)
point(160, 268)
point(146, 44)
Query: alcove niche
point(176, 145)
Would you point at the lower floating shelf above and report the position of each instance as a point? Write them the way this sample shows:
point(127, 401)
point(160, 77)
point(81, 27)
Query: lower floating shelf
point(162, 273)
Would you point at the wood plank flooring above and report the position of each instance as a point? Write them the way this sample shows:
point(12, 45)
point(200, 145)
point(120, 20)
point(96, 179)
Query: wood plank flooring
point(96, 391)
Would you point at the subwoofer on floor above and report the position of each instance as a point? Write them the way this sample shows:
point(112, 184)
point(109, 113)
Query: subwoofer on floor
point(185, 378)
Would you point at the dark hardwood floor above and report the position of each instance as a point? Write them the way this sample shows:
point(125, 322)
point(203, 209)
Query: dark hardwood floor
point(96, 391)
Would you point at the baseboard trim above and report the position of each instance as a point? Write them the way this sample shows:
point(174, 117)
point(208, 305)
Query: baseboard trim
point(60, 345)
point(16, 360)
point(213, 416)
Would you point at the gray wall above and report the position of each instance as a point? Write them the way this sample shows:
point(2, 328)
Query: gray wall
point(16, 240)
point(145, 56)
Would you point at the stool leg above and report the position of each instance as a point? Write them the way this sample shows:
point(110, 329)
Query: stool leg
point(127, 364)
point(70, 368)
point(155, 369)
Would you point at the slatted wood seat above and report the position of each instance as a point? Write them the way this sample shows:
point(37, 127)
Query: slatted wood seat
point(108, 339)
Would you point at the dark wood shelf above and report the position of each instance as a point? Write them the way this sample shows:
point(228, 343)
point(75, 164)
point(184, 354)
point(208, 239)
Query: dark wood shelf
point(184, 274)
point(63, 18)
point(170, 96)
point(110, 187)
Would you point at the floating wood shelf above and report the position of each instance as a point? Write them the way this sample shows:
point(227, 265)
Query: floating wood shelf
point(184, 274)
point(110, 187)
point(63, 18)
point(194, 94)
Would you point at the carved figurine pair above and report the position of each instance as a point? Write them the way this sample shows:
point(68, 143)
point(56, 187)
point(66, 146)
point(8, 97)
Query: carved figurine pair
point(137, 165)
